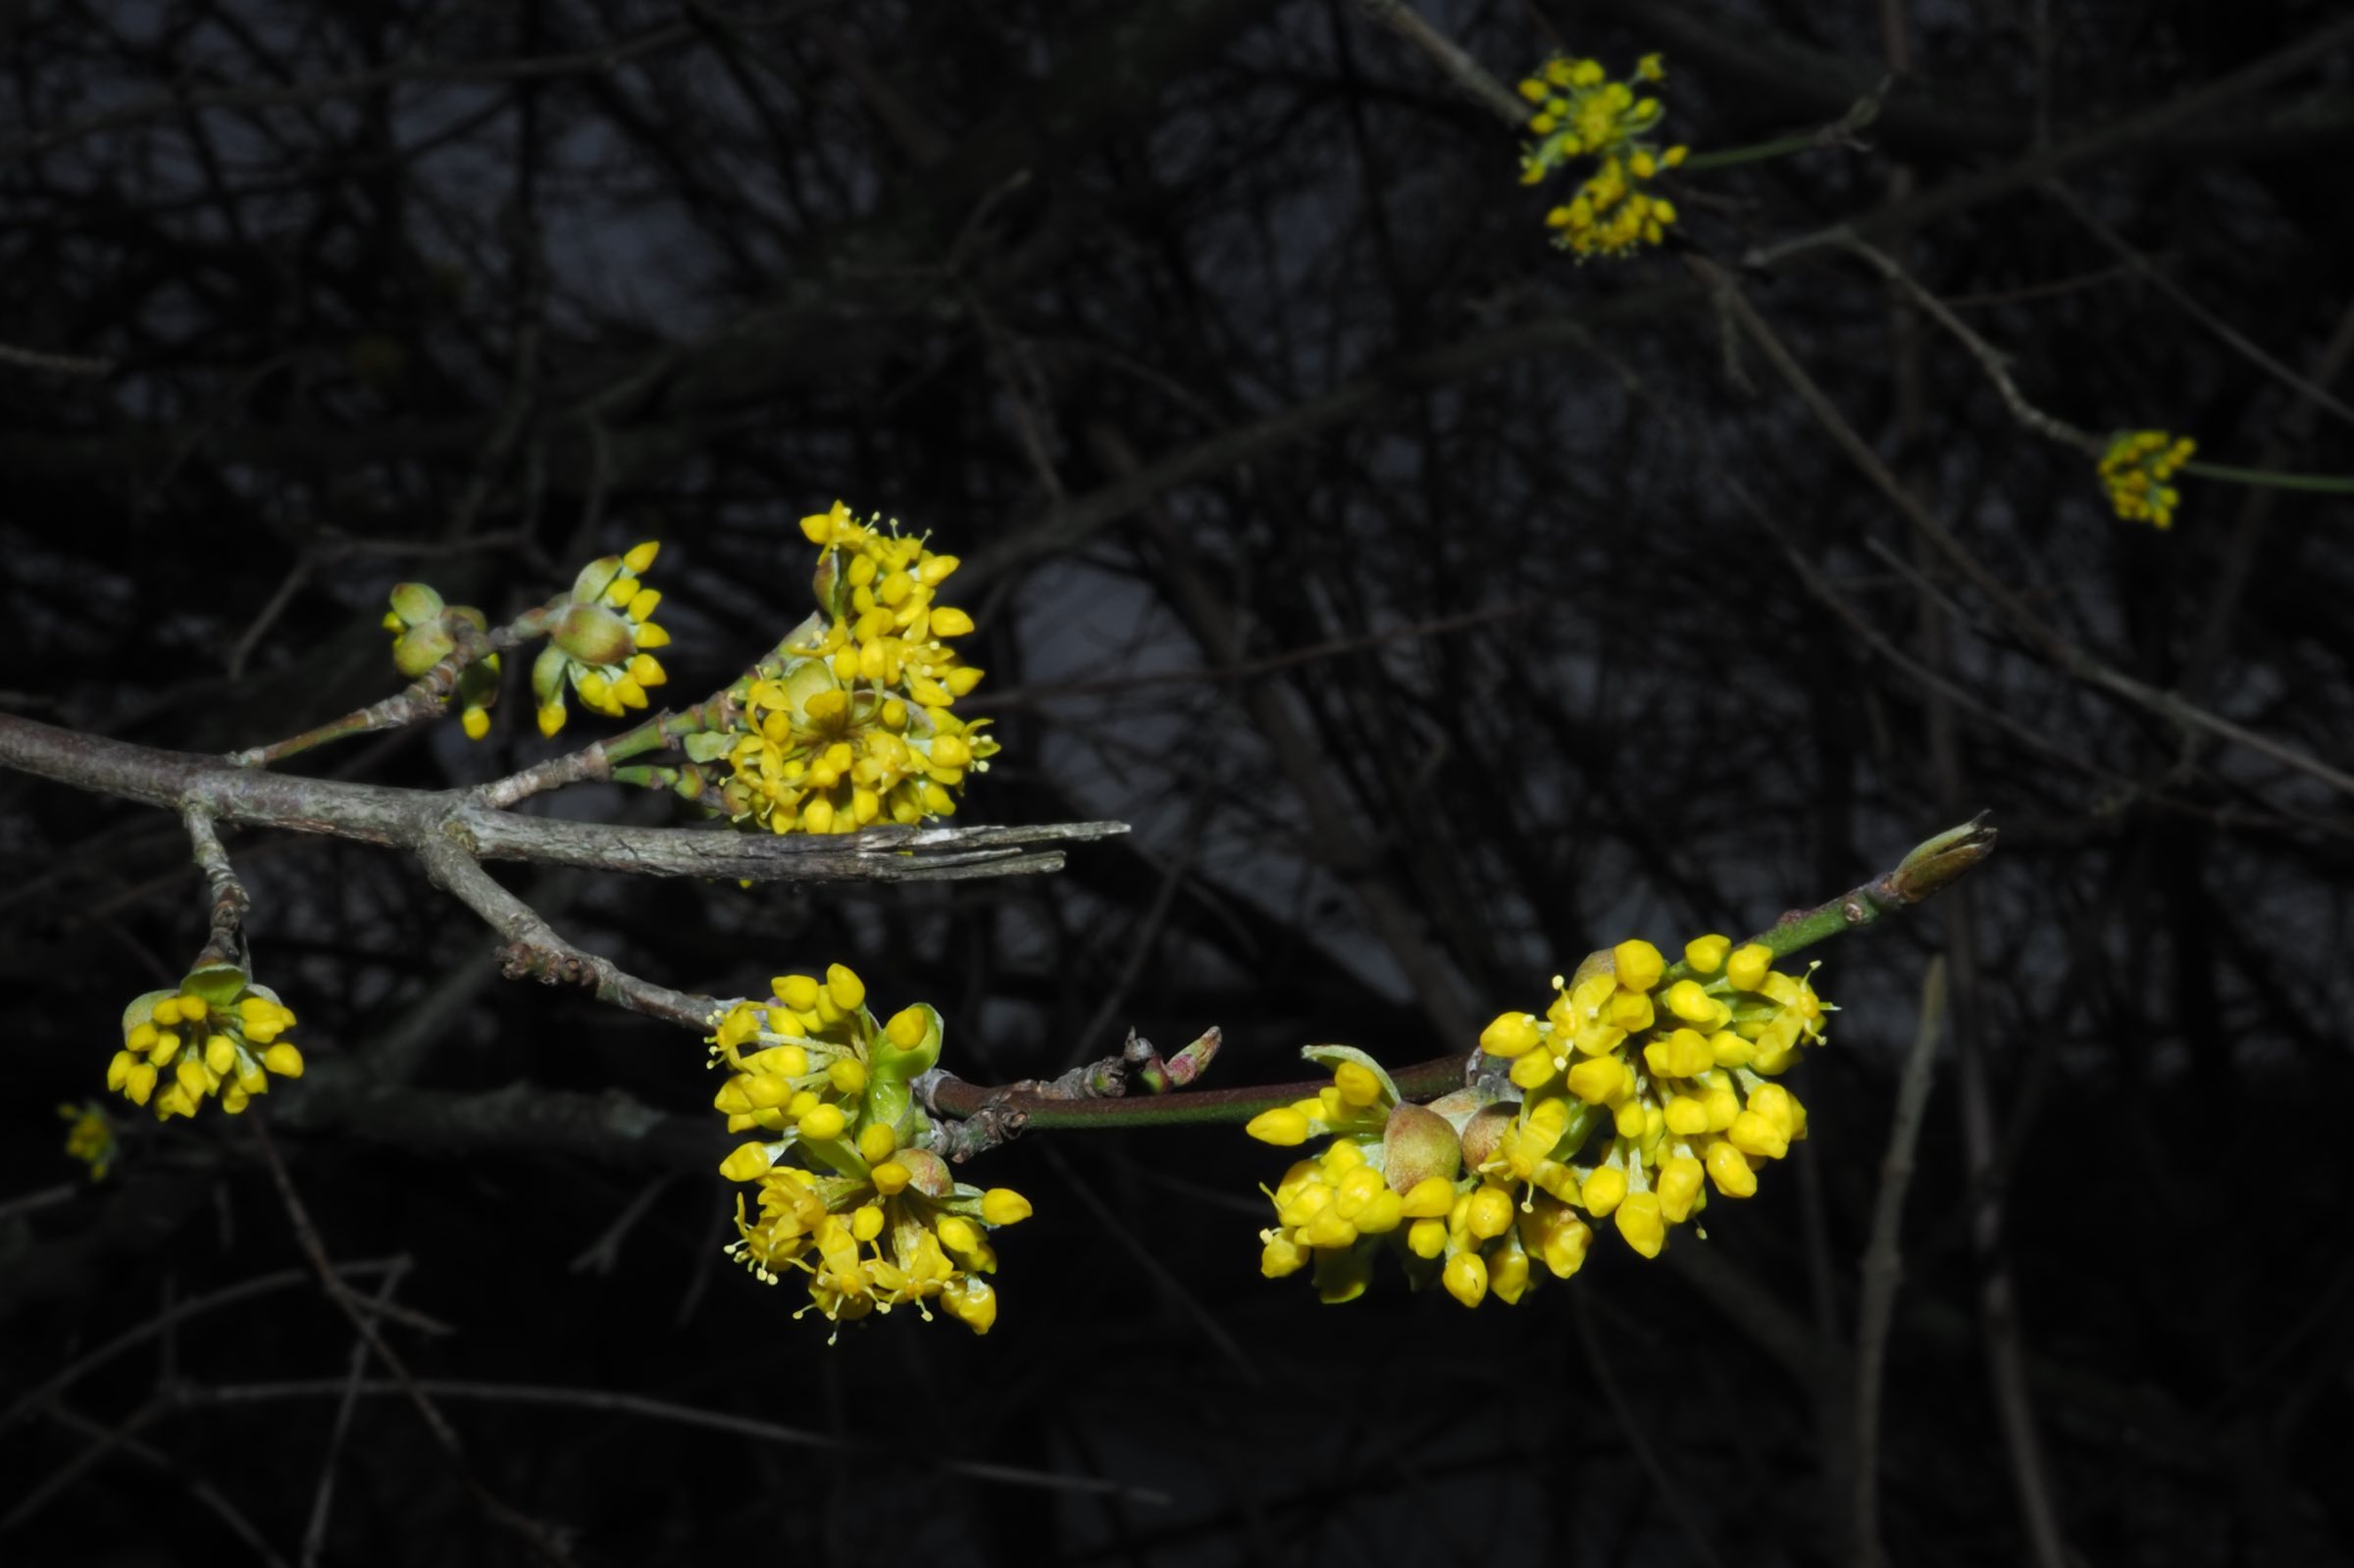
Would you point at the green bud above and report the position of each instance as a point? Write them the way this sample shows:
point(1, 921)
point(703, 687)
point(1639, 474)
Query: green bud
point(908, 1044)
point(593, 634)
point(218, 984)
point(1416, 1144)
point(415, 603)
point(421, 647)
point(1933, 864)
point(928, 1173)
point(547, 675)
point(596, 577)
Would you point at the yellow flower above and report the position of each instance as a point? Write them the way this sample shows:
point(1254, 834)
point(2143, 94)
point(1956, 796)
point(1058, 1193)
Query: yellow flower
point(2135, 470)
point(1671, 1089)
point(1582, 114)
point(91, 1136)
point(602, 643)
point(852, 723)
point(844, 1192)
point(216, 1035)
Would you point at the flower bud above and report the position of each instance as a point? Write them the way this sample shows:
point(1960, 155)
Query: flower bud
point(421, 647)
point(1484, 1134)
point(416, 604)
point(1416, 1144)
point(909, 1044)
point(927, 1172)
point(593, 634)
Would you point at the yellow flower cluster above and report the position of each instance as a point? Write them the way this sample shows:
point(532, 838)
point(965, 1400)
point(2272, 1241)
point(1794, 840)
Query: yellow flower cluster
point(854, 726)
point(217, 1034)
point(1664, 1071)
point(844, 1189)
point(1677, 1065)
point(89, 1136)
point(1409, 1173)
point(2135, 470)
point(1581, 113)
point(598, 643)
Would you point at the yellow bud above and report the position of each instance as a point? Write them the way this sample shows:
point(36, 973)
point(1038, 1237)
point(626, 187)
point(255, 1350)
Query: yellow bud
point(1490, 1214)
point(876, 1143)
point(1637, 964)
point(1357, 1086)
point(1508, 1278)
point(1430, 1198)
point(1510, 1034)
point(1706, 954)
point(284, 1060)
point(1603, 1190)
point(219, 1054)
point(1679, 1187)
point(1424, 1239)
point(1534, 1070)
point(889, 1177)
point(1732, 1171)
point(1003, 1205)
point(949, 622)
point(476, 722)
point(1283, 1127)
point(639, 557)
point(1753, 1134)
point(847, 1073)
point(1640, 1223)
point(1747, 967)
point(1467, 1278)
point(1596, 1078)
point(1689, 1002)
point(796, 991)
point(746, 1163)
point(1687, 1117)
point(848, 989)
point(822, 1123)
point(866, 1222)
point(1281, 1256)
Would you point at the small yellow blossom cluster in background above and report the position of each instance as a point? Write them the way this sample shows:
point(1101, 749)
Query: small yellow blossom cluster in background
point(1581, 113)
point(842, 1190)
point(600, 643)
point(419, 621)
point(89, 1136)
point(2135, 470)
point(217, 1034)
point(1665, 1074)
point(854, 726)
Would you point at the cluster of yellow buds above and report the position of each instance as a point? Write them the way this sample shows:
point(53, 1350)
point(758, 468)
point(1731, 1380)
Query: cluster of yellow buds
point(600, 643)
point(89, 1136)
point(421, 625)
point(2135, 469)
point(853, 724)
point(1582, 112)
point(215, 1034)
point(1664, 1073)
point(845, 1190)
point(1407, 1173)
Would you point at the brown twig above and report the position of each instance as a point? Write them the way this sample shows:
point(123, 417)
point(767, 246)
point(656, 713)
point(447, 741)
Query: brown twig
point(541, 1539)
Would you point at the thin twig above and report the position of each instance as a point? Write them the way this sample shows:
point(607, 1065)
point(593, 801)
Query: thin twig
point(538, 1537)
point(1883, 1264)
point(665, 1410)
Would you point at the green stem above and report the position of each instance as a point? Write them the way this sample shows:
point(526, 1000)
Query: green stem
point(1755, 153)
point(1925, 871)
point(2273, 478)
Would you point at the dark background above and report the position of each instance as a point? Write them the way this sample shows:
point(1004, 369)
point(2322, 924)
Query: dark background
point(1435, 608)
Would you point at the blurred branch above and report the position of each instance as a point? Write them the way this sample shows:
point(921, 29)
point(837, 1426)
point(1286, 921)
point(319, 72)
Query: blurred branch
point(1883, 1266)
